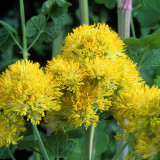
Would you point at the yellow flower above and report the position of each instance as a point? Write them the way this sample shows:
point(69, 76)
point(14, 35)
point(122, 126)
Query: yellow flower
point(141, 108)
point(91, 71)
point(11, 127)
point(68, 74)
point(28, 91)
point(91, 41)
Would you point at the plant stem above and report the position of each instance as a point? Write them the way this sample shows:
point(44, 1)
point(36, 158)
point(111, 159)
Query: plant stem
point(25, 53)
point(45, 155)
point(124, 146)
point(20, 47)
point(84, 12)
point(11, 155)
point(37, 154)
point(34, 41)
point(88, 143)
point(124, 13)
point(132, 27)
point(124, 8)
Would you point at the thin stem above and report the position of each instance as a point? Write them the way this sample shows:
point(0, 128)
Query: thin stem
point(45, 155)
point(14, 38)
point(34, 41)
point(124, 146)
point(38, 35)
point(84, 11)
point(132, 27)
point(11, 155)
point(25, 53)
point(36, 154)
point(88, 143)
point(139, 65)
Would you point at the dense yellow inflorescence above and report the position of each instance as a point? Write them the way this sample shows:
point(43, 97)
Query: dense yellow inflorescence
point(92, 40)
point(91, 70)
point(28, 91)
point(11, 128)
point(141, 109)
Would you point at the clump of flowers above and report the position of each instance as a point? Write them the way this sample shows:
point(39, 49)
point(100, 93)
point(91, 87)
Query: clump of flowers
point(91, 70)
point(27, 91)
point(11, 127)
point(140, 107)
point(89, 41)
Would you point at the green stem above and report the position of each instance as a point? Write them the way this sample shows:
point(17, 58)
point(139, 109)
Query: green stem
point(15, 40)
point(88, 143)
point(25, 53)
point(37, 154)
point(124, 23)
point(11, 155)
point(124, 146)
point(45, 155)
point(84, 11)
point(139, 65)
point(132, 27)
point(35, 40)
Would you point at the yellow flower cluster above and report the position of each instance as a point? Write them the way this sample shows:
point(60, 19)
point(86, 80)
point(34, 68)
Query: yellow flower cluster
point(11, 128)
point(141, 108)
point(90, 41)
point(25, 90)
point(28, 91)
point(91, 70)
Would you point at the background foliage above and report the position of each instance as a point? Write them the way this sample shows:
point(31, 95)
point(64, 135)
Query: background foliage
point(144, 49)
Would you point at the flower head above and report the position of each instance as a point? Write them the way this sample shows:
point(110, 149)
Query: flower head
point(28, 91)
point(11, 127)
point(141, 108)
point(91, 71)
point(90, 41)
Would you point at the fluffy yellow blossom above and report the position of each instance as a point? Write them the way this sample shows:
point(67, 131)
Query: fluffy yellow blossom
point(11, 127)
point(91, 71)
point(141, 108)
point(68, 74)
point(28, 91)
point(90, 41)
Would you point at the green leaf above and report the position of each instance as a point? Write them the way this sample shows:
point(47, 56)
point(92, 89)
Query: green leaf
point(149, 15)
point(35, 25)
point(63, 3)
point(50, 32)
point(8, 27)
point(151, 41)
point(5, 39)
point(151, 58)
point(133, 43)
point(50, 6)
point(110, 3)
point(157, 81)
point(74, 134)
point(47, 6)
point(102, 138)
point(144, 51)
point(78, 151)
point(4, 152)
point(58, 144)
point(60, 17)
point(5, 35)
